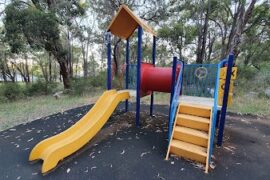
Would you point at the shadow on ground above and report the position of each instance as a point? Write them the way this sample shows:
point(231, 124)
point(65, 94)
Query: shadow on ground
point(123, 151)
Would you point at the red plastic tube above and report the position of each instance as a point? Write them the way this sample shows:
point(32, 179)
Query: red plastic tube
point(156, 78)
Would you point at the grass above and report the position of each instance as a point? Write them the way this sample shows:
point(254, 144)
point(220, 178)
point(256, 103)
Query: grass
point(29, 109)
point(250, 104)
point(26, 110)
point(159, 98)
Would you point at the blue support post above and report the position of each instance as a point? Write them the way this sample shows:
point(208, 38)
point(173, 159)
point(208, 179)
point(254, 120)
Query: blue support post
point(225, 100)
point(138, 86)
point(109, 63)
point(173, 82)
point(217, 118)
point(154, 63)
point(127, 70)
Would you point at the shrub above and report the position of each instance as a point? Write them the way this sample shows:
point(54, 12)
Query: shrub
point(11, 92)
point(81, 85)
point(99, 81)
point(40, 88)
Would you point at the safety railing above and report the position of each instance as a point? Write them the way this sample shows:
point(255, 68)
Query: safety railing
point(132, 76)
point(199, 80)
point(176, 94)
point(215, 108)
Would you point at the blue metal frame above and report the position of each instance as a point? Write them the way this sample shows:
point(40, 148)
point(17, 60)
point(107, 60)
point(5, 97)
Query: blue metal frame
point(127, 71)
point(154, 63)
point(215, 110)
point(176, 93)
point(109, 68)
point(173, 81)
point(172, 85)
point(138, 85)
point(225, 100)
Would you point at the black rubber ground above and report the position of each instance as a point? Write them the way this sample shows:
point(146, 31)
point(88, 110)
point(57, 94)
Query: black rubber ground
point(123, 151)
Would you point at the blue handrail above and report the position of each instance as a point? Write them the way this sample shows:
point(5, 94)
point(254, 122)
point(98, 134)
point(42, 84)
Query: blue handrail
point(215, 109)
point(175, 99)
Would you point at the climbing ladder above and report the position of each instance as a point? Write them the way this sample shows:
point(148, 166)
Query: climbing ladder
point(191, 133)
point(194, 109)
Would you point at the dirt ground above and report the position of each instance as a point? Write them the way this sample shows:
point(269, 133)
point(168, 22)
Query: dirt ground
point(123, 151)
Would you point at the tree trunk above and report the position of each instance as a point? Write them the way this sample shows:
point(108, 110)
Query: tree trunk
point(115, 60)
point(85, 63)
point(64, 71)
point(210, 46)
point(27, 74)
point(241, 18)
point(58, 51)
point(50, 67)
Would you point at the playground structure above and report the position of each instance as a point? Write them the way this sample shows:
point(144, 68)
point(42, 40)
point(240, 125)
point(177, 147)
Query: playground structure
point(198, 103)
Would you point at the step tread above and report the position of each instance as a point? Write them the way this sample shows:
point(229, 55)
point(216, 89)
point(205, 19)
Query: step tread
point(194, 118)
point(196, 106)
point(194, 132)
point(189, 147)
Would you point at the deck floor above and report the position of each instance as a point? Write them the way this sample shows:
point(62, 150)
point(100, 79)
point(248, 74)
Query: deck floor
point(198, 100)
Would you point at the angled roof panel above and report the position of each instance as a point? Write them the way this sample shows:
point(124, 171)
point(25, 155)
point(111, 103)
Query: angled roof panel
point(125, 22)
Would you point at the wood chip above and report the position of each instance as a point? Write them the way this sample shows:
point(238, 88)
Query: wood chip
point(144, 153)
point(123, 152)
point(30, 140)
point(159, 177)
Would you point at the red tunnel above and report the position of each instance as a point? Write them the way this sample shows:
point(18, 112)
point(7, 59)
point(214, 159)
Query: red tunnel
point(156, 78)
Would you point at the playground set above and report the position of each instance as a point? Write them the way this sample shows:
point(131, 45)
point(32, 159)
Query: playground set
point(200, 94)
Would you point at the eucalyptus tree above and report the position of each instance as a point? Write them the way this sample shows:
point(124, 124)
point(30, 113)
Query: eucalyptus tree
point(37, 24)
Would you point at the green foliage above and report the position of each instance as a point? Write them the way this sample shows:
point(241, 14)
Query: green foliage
point(26, 24)
point(81, 86)
point(246, 73)
point(99, 81)
point(178, 35)
point(40, 88)
point(15, 91)
point(11, 92)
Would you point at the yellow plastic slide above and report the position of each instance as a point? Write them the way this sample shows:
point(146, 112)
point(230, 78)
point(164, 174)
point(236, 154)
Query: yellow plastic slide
point(57, 147)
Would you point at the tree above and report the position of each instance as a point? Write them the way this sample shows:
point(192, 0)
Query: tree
point(37, 23)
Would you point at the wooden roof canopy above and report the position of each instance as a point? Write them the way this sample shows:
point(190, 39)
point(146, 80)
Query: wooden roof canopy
point(125, 23)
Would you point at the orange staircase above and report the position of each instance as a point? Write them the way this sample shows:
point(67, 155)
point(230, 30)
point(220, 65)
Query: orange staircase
point(191, 133)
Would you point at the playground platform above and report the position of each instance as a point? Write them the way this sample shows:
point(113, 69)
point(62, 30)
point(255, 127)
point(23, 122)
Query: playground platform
point(204, 101)
point(123, 151)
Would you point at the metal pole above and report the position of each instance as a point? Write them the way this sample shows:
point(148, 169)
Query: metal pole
point(225, 100)
point(173, 83)
point(154, 63)
point(139, 58)
point(127, 71)
point(109, 68)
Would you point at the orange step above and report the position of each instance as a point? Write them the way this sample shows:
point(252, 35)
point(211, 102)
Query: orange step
point(189, 135)
point(194, 122)
point(188, 150)
point(194, 109)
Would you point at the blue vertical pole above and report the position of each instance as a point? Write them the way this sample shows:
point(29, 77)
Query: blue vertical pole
point(173, 84)
point(173, 77)
point(127, 70)
point(109, 63)
point(138, 86)
point(225, 100)
point(154, 63)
